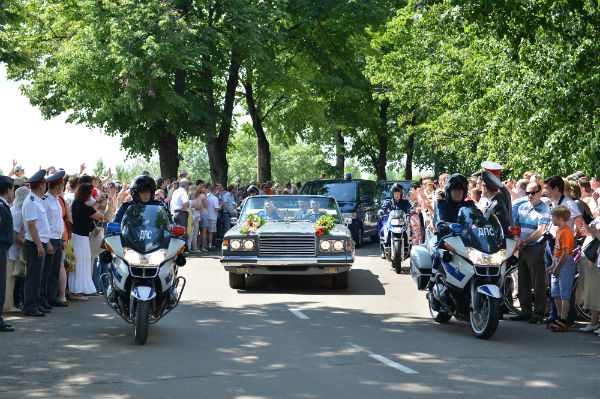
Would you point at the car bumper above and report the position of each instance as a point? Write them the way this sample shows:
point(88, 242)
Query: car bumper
point(287, 265)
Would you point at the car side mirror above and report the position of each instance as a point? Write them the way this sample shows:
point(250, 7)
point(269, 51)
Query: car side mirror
point(233, 221)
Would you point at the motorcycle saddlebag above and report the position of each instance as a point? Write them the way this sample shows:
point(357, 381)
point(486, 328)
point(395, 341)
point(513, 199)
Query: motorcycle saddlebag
point(420, 265)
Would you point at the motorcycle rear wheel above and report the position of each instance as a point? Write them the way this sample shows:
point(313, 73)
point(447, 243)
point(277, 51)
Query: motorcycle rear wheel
point(140, 331)
point(510, 290)
point(484, 322)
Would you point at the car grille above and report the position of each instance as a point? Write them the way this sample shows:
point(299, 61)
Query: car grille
point(289, 246)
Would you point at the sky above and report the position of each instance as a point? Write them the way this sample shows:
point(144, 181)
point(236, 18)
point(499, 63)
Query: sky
point(33, 141)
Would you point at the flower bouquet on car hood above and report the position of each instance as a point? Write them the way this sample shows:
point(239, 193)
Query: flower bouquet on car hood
point(324, 225)
point(252, 224)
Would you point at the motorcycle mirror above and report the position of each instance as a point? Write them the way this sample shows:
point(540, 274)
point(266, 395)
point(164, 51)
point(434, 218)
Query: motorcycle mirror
point(113, 227)
point(514, 230)
point(178, 230)
point(456, 228)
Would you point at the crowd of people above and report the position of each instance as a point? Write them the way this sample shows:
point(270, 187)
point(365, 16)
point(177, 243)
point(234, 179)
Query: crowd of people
point(50, 250)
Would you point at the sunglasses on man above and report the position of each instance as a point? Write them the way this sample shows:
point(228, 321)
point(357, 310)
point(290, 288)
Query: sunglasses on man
point(532, 192)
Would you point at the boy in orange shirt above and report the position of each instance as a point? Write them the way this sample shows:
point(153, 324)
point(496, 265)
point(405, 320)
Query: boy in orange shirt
point(563, 267)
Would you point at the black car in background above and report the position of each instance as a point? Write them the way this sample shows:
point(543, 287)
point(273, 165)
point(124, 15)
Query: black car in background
point(358, 200)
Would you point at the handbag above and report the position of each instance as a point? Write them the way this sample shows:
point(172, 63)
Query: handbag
point(20, 267)
point(96, 239)
point(590, 250)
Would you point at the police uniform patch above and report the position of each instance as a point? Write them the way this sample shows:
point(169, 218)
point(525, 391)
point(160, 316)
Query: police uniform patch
point(31, 198)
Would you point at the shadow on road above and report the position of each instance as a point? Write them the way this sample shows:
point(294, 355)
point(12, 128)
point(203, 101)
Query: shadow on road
point(208, 350)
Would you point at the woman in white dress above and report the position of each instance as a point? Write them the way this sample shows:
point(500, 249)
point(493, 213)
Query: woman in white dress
point(80, 280)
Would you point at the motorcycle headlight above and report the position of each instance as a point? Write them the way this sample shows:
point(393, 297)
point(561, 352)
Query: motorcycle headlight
point(134, 258)
point(235, 244)
point(325, 245)
point(338, 245)
point(249, 245)
point(479, 258)
point(395, 222)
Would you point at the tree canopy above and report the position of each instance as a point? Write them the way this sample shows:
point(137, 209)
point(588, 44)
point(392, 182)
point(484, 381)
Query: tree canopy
point(441, 84)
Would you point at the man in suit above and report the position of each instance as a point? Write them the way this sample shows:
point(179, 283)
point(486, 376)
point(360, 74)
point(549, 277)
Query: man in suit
point(7, 194)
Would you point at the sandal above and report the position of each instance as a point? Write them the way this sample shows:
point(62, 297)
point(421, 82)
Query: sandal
point(558, 326)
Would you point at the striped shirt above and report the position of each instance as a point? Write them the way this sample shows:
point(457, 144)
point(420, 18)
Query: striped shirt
point(529, 217)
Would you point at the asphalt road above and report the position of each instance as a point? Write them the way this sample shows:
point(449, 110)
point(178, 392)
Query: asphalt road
point(290, 337)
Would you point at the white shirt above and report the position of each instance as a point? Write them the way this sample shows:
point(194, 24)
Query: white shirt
point(15, 251)
point(54, 213)
point(69, 198)
point(569, 203)
point(213, 204)
point(33, 209)
point(179, 198)
point(195, 213)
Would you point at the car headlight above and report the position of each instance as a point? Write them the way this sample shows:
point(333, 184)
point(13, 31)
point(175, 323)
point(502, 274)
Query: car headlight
point(134, 258)
point(235, 244)
point(249, 245)
point(338, 245)
point(479, 258)
point(325, 245)
point(395, 222)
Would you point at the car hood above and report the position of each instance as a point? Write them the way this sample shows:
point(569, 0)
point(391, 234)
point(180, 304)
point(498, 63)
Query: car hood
point(292, 228)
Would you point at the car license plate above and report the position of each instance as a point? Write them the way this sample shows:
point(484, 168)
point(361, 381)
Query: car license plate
point(242, 270)
point(331, 270)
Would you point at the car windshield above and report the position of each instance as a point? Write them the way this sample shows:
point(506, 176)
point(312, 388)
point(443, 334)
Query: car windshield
point(481, 231)
point(145, 228)
point(341, 191)
point(294, 208)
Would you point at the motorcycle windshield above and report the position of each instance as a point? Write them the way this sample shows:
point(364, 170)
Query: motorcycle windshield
point(481, 231)
point(145, 228)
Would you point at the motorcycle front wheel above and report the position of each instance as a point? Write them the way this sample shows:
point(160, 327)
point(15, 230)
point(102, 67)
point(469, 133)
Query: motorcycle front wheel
point(140, 331)
point(484, 315)
point(397, 257)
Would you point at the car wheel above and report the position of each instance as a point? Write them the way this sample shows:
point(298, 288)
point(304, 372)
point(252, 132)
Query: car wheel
point(237, 281)
point(340, 281)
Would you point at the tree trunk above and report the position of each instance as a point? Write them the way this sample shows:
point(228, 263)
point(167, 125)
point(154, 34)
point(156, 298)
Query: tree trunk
point(216, 146)
point(263, 151)
point(340, 151)
point(410, 150)
point(168, 149)
point(382, 139)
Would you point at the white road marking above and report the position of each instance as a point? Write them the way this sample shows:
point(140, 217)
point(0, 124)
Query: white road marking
point(299, 314)
point(384, 360)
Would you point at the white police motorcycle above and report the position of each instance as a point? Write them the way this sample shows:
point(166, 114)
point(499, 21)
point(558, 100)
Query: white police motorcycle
point(143, 253)
point(394, 237)
point(474, 259)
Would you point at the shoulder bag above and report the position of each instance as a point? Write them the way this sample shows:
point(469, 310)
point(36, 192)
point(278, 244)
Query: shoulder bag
point(590, 250)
